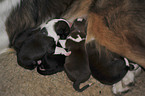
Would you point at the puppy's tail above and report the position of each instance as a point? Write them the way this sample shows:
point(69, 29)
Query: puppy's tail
point(76, 86)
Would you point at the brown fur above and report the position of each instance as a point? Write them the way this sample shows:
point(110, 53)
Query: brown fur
point(121, 32)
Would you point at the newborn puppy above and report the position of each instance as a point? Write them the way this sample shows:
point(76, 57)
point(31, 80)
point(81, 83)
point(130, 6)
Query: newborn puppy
point(34, 48)
point(52, 63)
point(76, 64)
point(107, 68)
point(110, 68)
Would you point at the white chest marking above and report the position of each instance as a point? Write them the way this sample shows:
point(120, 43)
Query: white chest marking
point(62, 42)
point(79, 39)
point(59, 50)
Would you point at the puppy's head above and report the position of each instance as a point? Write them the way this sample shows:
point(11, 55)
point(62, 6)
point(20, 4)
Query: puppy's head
point(62, 29)
point(57, 28)
point(79, 24)
point(34, 48)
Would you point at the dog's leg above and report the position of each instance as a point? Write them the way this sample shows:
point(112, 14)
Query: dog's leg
point(98, 31)
point(128, 80)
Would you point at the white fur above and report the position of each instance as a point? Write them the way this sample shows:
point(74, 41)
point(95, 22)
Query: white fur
point(128, 79)
point(59, 50)
point(50, 28)
point(7, 5)
point(126, 61)
point(62, 42)
point(79, 39)
point(118, 88)
point(5, 8)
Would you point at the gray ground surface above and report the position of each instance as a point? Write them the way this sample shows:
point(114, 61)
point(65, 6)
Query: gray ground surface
point(16, 81)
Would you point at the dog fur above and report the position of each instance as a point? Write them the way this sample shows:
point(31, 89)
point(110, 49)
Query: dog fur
point(110, 68)
point(118, 26)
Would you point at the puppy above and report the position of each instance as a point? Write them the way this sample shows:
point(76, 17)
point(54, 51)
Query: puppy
point(52, 63)
point(76, 64)
point(33, 48)
point(110, 68)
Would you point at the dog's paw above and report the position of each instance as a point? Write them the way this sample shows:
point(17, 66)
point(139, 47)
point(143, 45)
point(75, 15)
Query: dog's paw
point(129, 78)
point(118, 88)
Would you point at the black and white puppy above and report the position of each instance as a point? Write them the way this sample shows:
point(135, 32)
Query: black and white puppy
point(52, 63)
point(110, 68)
point(34, 47)
point(76, 64)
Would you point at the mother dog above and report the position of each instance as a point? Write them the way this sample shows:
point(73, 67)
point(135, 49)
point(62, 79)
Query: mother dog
point(117, 25)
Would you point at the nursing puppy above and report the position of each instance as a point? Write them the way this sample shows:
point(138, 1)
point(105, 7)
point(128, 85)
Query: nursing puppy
point(33, 48)
point(52, 63)
point(32, 45)
point(76, 64)
point(110, 68)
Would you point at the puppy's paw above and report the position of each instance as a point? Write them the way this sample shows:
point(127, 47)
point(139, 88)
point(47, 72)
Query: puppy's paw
point(118, 88)
point(39, 62)
point(129, 78)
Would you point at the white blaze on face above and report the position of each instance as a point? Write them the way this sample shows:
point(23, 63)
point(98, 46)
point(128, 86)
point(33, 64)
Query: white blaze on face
point(51, 30)
point(79, 39)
